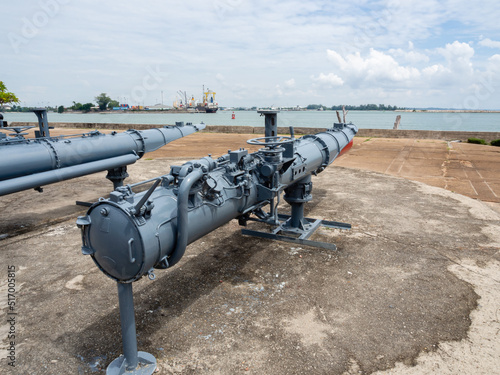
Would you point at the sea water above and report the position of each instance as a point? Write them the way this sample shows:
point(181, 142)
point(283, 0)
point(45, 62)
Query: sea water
point(487, 122)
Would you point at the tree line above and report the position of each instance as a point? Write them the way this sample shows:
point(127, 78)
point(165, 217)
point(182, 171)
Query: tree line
point(103, 102)
point(362, 107)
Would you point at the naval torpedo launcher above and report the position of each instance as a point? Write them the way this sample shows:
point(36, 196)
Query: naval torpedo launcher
point(130, 235)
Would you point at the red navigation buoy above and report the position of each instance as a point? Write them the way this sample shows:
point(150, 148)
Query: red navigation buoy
point(233, 116)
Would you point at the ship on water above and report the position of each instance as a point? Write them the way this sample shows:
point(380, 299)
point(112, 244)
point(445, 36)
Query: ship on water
point(207, 103)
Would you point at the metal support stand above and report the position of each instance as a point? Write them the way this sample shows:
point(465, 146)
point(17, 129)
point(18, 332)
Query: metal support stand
point(296, 228)
point(270, 122)
point(302, 239)
point(117, 175)
point(131, 362)
point(43, 123)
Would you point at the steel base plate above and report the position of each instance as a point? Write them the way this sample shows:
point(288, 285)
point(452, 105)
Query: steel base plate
point(279, 233)
point(146, 366)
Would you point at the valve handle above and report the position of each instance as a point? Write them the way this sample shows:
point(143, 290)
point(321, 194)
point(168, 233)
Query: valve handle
point(270, 141)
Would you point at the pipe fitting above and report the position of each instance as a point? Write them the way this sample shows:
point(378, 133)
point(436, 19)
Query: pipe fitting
point(182, 215)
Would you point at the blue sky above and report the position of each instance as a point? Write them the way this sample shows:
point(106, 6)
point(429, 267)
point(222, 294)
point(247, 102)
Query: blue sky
point(422, 53)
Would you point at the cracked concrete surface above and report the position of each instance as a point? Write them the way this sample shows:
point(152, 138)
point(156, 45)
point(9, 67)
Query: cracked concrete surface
point(399, 289)
point(479, 352)
point(414, 287)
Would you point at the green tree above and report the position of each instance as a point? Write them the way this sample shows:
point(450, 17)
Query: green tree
point(86, 107)
point(102, 101)
point(76, 106)
point(6, 97)
point(113, 103)
point(60, 109)
point(314, 106)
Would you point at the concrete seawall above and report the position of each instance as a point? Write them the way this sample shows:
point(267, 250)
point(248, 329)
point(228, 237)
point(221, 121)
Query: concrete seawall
point(375, 133)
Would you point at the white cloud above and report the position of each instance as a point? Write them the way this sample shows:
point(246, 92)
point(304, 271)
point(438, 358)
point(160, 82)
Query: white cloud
point(481, 15)
point(399, 74)
point(457, 51)
point(338, 60)
point(489, 43)
point(290, 83)
point(436, 69)
point(412, 57)
point(458, 55)
point(279, 91)
point(376, 67)
point(438, 76)
point(328, 80)
point(495, 59)
point(243, 49)
point(493, 66)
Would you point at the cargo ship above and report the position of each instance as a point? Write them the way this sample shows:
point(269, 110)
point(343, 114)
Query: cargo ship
point(208, 103)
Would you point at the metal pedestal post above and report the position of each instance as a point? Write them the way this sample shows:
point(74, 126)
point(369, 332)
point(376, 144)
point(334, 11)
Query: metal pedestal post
point(117, 175)
point(296, 222)
point(43, 123)
point(131, 362)
point(270, 122)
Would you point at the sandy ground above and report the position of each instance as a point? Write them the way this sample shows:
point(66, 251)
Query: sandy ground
point(413, 289)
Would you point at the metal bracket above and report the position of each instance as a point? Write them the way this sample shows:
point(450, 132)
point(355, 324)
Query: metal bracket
point(281, 231)
point(43, 123)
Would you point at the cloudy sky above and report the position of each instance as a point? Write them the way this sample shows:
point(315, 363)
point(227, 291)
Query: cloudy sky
point(412, 53)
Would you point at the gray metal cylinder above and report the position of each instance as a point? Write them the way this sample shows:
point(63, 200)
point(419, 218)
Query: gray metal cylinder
point(126, 242)
point(29, 163)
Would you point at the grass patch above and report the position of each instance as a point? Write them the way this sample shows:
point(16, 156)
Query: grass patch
point(495, 142)
point(477, 141)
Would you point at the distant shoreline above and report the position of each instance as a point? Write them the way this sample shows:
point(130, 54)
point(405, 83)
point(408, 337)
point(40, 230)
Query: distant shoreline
point(448, 110)
point(489, 122)
point(177, 111)
point(232, 129)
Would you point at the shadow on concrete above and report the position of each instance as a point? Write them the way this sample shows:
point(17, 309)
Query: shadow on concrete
point(173, 292)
